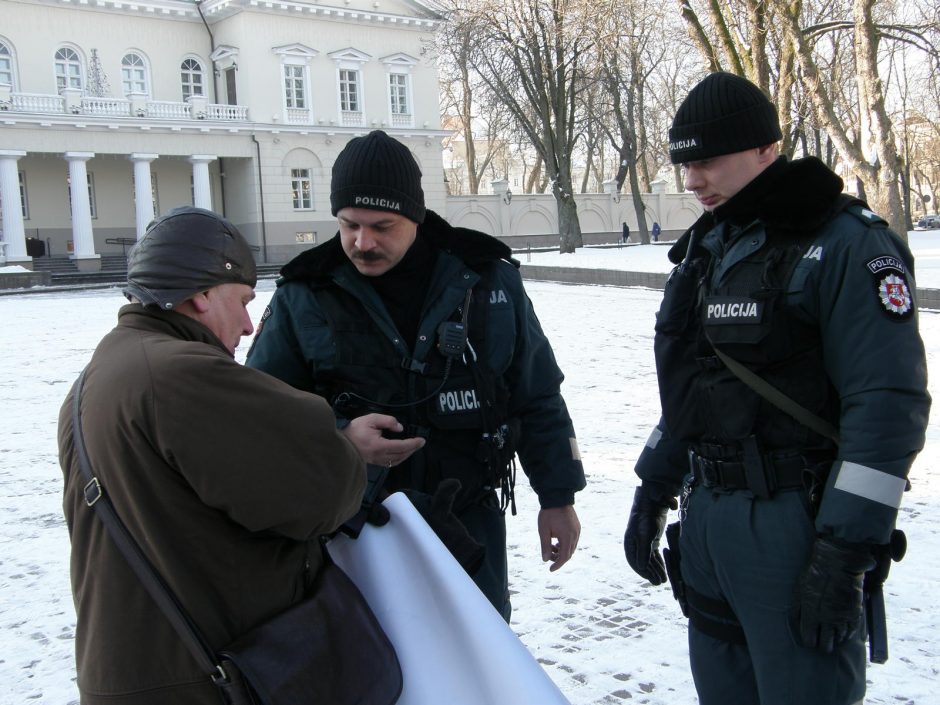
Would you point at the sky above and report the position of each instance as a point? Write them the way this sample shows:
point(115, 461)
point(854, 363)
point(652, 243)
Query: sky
point(603, 634)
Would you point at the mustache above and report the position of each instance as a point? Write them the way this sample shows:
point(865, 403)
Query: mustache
point(368, 256)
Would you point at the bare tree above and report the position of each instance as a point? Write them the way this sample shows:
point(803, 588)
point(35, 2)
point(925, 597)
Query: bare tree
point(821, 61)
point(872, 152)
point(591, 137)
point(630, 50)
point(480, 123)
point(530, 54)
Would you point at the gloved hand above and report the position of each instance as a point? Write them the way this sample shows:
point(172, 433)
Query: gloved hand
point(828, 605)
point(644, 530)
point(438, 512)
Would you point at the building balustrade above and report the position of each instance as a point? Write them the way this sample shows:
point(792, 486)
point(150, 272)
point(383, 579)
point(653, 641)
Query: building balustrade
point(37, 103)
point(224, 112)
point(168, 109)
point(117, 107)
point(299, 116)
point(121, 107)
point(352, 118)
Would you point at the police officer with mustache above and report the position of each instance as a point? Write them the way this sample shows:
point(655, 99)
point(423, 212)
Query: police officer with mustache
point(404, 315)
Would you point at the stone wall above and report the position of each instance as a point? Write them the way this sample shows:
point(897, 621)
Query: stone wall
point(531, 220)
point(24, 280)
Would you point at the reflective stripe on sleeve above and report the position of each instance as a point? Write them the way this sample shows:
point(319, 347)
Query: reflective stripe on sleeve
point(869, 483)
point(575, 451)
point(653, 440)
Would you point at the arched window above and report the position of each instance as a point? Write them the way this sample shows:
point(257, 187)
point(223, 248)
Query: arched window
point(6, 65)
point(68, 69)
point(191, 78)
point(133, 74)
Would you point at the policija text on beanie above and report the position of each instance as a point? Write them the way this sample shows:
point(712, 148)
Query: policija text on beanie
point(379, 173)
point(185, 252)
point(722, 114)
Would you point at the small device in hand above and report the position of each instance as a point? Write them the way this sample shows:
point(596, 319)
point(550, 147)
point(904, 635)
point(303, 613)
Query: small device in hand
point(396, 435)
point(407, 431)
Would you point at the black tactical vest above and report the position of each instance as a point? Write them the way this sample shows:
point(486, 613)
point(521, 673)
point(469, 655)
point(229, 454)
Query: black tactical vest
point(456, 402)
point(748, 319)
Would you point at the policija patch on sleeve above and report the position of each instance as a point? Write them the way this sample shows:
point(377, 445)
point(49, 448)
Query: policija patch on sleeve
point(891, 287)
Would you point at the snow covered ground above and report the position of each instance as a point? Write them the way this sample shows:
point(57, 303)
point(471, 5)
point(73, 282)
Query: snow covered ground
point(604, 635)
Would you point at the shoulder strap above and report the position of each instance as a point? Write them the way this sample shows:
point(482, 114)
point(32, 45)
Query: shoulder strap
point(96, 498)
point(778, 398)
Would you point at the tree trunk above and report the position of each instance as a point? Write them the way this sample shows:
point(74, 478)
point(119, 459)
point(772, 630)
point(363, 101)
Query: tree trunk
point(569, 226)
point(885, 194)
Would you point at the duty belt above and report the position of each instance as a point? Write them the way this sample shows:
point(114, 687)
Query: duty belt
point(763, 474)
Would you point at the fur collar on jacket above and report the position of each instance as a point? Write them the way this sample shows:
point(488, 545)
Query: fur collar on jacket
point(789, 198)
point(471, 246)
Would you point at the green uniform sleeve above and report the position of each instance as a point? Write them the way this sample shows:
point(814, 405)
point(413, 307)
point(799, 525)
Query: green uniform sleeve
point(276, 348)
point(547, 445)
point(663, 460)
point(859, 286)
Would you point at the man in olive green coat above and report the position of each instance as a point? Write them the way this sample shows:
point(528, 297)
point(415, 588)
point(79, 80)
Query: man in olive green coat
point(224, 476)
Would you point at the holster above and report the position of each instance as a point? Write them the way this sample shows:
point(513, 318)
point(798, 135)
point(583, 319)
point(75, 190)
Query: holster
point(876, 618)
point(672, 558)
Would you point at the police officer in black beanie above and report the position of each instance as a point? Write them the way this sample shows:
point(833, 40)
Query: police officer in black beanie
point(793, 387)
point(402, 314)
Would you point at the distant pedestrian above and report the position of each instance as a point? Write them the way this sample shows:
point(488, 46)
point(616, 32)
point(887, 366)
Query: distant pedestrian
point(656, 231)
point(626, 233)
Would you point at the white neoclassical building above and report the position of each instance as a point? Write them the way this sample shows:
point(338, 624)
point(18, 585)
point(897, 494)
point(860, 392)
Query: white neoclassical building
point(114, 111)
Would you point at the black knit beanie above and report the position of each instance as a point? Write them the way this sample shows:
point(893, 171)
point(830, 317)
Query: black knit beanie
point(722, 114)
point(185, 252)
point(380, 173)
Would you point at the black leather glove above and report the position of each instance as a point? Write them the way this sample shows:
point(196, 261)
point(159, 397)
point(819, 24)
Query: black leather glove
point(438, 512)
point(644, 530)
point(371, 511)
point(828, 605)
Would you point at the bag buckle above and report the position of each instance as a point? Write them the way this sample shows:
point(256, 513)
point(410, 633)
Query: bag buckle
point(92, 491)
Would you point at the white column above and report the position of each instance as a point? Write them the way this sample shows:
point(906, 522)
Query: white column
point(202, 192)
point(83, 239)
point(143, 190)
point(14, 234)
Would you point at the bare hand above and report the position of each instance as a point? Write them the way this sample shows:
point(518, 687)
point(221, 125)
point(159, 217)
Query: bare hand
point(559, 530)
point(365, 432)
